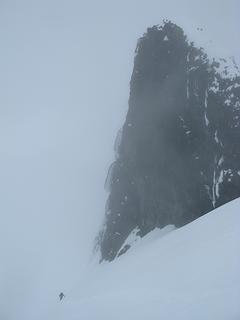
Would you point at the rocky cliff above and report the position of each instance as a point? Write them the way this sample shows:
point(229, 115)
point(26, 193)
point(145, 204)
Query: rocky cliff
point(178, 153)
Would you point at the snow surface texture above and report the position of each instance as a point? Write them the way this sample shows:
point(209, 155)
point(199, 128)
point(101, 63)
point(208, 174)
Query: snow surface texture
point(187, 273)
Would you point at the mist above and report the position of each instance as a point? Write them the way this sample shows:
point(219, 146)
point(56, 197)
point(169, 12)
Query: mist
point(64, 76)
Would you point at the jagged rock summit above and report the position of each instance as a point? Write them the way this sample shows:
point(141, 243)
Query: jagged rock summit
point(178, 153)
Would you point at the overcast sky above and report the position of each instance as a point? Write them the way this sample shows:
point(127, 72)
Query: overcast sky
point(64, 83)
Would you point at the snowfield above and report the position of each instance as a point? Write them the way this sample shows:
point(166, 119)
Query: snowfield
point(187, 273)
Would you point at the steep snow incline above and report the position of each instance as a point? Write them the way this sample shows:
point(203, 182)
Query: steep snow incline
point(184, 274)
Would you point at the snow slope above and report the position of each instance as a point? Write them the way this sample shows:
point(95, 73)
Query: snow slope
point(186, 273)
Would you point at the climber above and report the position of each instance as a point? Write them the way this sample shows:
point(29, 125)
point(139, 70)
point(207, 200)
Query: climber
point(61, 296)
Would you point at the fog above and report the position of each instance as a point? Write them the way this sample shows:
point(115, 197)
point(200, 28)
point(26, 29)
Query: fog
point(64, 76)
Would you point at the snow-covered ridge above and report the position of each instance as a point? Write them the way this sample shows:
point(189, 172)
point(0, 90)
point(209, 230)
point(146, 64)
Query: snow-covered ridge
point(134, 240)
point(190, 273)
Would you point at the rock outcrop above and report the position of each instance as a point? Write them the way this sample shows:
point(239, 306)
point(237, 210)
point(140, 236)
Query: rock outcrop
point(178, 153)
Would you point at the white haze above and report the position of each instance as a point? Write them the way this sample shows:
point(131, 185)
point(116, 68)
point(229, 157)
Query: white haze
point(64, 83)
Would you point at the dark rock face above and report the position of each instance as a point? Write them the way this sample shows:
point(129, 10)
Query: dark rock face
point(178, 154)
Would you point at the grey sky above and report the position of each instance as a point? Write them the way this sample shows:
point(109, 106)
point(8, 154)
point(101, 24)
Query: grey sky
point(64, 77)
